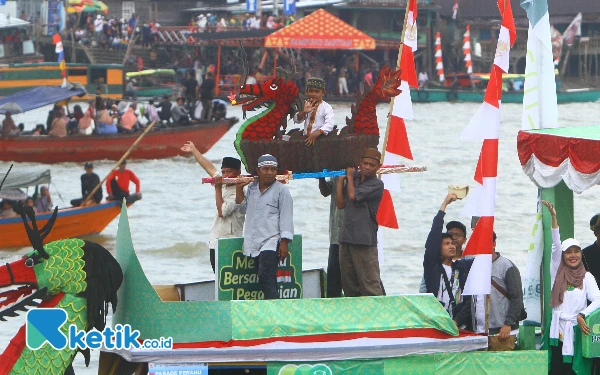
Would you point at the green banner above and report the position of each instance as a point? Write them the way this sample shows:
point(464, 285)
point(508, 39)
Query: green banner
point(237, 276)
point(530, 362)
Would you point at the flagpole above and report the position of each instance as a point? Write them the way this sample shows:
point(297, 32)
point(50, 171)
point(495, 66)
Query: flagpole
point(399, 60)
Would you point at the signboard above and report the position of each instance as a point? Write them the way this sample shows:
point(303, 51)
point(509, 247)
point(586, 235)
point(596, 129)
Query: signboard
point(590, 345)
point(289, 7)
point(237, 276)
point(251, 6)
point(158, 368)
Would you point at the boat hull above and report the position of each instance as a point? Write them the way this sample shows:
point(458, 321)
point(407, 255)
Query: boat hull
point(432, 96)
point(70, 222)
point(155, 145)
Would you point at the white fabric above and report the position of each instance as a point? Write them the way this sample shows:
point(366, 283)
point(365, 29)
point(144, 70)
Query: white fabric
point(402, 103)
point(482, 200)
point(480, 313)
point(323, 119)
point(546, 176)
point(484, 125)
point(540, 109)
point(531, 277)
point(198, 110)
point(564, 316)
point(502, 58)
point(380, 256)
point(480, 276)
point(89, 130)
point(98, 25)
point(391, 181)
point(232, 223)
point(438, 53)
point(442, 294)
point(410, 37)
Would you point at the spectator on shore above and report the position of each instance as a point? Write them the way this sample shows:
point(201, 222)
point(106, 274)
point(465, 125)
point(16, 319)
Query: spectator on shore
point(98, 27)
point(130, 89)
point(343, 83)
point(146, 41)
point(423, 79)
point(202, 21)
point(154, 27)
point(222, 25)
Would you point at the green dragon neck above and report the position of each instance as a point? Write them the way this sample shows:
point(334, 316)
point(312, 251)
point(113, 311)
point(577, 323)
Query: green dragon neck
point(248, 122)
point(47, 360)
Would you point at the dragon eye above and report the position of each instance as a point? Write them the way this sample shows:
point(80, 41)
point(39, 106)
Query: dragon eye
point(273, 86)
point(29, 262)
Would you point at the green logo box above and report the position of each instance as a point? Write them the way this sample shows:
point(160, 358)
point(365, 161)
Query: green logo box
point(590, 345)
point(237, 276)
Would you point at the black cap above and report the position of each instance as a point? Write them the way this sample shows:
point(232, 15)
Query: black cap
point(88, 165)
point(457, 224)
point(233, 163)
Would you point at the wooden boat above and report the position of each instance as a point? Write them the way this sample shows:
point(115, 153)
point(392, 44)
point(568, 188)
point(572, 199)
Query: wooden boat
point(70, 222)
point(154, 83)
point(476, 96)
point(162, 143)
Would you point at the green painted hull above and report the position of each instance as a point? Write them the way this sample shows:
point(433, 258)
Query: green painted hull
point(432, 96)
point(154, 92)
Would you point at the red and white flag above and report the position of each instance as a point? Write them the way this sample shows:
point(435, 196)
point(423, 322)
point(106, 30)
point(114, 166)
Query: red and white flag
point(455, 9)
point(467, 49)
point(485, 126)
point(439, 62)
point(410, 35)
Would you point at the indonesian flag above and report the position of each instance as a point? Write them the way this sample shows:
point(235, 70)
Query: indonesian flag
point(455, 9)
point(485, 126)
point(439, 62)
point(410, 36)
point(467, 49)
point(56, 39)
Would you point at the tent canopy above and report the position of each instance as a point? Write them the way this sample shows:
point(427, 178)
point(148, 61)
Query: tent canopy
point(569, 154)
point(6, 21)
point(39, 97)
point(320, 30)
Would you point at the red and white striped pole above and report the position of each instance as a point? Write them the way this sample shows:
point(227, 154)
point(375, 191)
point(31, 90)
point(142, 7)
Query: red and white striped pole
point(467, 49)
point(439, 62)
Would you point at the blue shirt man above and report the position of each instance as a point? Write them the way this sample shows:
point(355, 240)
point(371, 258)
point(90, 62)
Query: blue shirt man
point(269, 223)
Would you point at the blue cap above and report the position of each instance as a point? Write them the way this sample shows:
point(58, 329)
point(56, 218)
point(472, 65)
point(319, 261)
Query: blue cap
point(267, 160)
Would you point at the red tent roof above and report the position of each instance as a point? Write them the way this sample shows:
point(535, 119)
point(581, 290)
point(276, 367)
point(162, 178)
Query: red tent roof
point(320, 30)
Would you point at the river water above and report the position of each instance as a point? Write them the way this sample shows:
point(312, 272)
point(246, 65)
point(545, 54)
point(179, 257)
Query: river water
point(171, 225)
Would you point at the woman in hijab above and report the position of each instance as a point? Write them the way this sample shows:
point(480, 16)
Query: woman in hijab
point(572, 287)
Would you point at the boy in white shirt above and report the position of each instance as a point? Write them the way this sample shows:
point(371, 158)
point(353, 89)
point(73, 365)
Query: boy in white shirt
point(317, 114)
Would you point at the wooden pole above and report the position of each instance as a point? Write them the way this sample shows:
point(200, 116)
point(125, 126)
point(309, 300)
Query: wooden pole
point(218, 72)
point(125, 155)
point(398, 62)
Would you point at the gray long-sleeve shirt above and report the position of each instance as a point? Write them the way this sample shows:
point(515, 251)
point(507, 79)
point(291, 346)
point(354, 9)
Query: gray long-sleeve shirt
point(505, 311)
point(269, 217)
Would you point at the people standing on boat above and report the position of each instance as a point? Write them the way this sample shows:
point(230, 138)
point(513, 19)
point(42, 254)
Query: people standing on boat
point(89, 180)
point(359, 195)
point(207, 95)
point(444, 276)
point(191, 89)
point(181, 115)
point(229, 220)
point(572, 288)
point(336, 223)
point(269, 225)
point(591, 254)
point(117, 184)
point(317, 114)
point(8, 125)
point(44, 202)
point(165, 109)
point(59, 124)
point(130, 90)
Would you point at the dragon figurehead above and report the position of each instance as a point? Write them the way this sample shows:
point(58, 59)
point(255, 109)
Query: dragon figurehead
point(78, 276)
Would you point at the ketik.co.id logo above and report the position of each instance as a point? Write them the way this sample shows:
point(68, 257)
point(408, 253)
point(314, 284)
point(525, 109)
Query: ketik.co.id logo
point(44, 325)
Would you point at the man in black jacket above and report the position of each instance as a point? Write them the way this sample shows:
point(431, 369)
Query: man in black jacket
point(591, 254)
point(89, 180)
point(445, 277)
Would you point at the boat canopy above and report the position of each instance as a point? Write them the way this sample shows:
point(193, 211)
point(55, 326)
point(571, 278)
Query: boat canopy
point(18, 179)
point(7, 22)
point(39, 97)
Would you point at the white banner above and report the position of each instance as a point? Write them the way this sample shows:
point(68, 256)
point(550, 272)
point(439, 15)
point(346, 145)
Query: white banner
point(531, 277)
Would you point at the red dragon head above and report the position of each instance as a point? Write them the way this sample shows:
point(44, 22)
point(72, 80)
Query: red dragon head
point(388, 83)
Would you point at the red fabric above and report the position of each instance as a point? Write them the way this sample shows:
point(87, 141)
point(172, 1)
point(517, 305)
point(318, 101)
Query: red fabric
point(508, 19)
point(493, 92)
point(402, 333)
point(487, 165)
point(386, 214)
point(413, 7)
point(398, 139)
point(123, 179)
point(482, 239)
point(553, 150)
point(407, 66)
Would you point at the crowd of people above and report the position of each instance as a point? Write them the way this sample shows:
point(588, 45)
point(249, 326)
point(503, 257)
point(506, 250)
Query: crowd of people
point(212, 23)
point(41, 202)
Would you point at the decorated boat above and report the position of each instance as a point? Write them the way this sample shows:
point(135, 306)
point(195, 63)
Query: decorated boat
point(69, 222)
point(584, 95)
point(156, 145)
point(154, 82)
